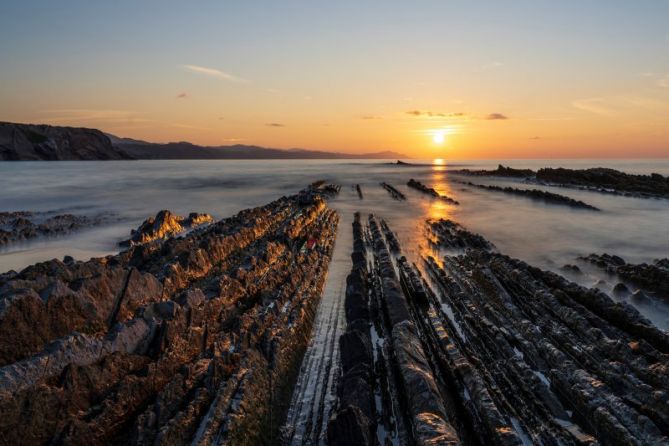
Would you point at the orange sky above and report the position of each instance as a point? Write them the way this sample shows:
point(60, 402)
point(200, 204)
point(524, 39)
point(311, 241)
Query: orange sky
point(525, 80)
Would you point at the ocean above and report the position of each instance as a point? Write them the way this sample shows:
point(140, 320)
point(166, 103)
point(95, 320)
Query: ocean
point(544, 235)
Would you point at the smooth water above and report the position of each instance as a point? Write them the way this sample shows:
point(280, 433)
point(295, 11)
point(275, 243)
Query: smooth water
point(545, 235)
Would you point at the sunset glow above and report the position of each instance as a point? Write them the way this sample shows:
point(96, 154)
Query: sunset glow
point(199, 75)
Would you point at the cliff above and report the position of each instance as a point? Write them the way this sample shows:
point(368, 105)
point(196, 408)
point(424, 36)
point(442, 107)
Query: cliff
point(24, 142)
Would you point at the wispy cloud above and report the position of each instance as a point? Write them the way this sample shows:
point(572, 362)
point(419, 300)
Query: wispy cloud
point(664, 82)
point(597, 106)
point(496, 117)
point(371, 117)
point(213, 72)
point(188, 126)
point(274, 124)
point(85, 115)
point(181, 95)
point(433, 114)
point(614, 105)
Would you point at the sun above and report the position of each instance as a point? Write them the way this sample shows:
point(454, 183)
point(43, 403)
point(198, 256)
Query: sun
point(438, 138)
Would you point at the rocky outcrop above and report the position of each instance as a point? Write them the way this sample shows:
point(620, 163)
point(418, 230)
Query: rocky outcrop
point(481, 348)
point(359, 191)
point(601, 179)
point(23, 225)
point(397, 195)
point(536, 194)
point(387, 385)
point(597, 179)
point(19, 142)
point(165, 224)
point(653, 277)
point(430, 191)
point(194, 340)
point(501, 171)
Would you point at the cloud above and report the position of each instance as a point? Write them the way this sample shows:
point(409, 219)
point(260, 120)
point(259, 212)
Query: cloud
point(90, 116)
point(181, 95)
point(664, 82)
point(615, 105)
point(274, 124)
point(371, 117)
point(496, 116)
point(433, 114)
point(212, 72)
point(536, 138)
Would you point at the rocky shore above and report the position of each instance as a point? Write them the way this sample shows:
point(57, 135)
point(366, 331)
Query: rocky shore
point(165, 224)
point(24, 225)
point(535, 194)
point(429, 191)
point(194, 340)
point(598, 179)
point(396, 194)
point(476, 348)
point(653, 277)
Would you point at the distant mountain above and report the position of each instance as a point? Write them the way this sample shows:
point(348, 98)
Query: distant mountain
point(53, 143)
point(45, 142)
point(185, 150)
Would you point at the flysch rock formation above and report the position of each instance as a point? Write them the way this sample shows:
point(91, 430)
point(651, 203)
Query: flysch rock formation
point(597, 179)
point(165, 224)
point(24, 225)
point(477, 348)
point(45, 142)
point(396, 194)
point(536, 194)
point(195, 340)
point(651, 277)
point(429, 191)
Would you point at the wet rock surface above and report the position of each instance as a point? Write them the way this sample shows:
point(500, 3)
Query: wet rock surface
point(598, 179)
point(165, 224)
point(470, 346)
point(194, 340)
point(536, 194)
point(653, 277)
point(396, 194)
point(429, 191)
point(501, 171)
point(608, 180)
point(24, 225)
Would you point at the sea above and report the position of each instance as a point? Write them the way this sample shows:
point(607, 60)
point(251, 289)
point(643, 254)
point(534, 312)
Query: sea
point(545, 235)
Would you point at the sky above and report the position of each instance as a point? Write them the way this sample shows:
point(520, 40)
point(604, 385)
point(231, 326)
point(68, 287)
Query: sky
point(430, 79)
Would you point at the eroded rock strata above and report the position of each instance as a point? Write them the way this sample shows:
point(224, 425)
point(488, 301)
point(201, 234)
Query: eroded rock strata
point(653, 277)
point(24, 225)
point(429, 191)
point(196, 340)
point(478, 348)
point(165, 224)
point(396, 194)
point(597, 179)
point(536, 194)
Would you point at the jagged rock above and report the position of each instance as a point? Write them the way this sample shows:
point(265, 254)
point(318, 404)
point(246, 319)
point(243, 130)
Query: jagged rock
point(22, 225)
point(166, 342)
point(536, 194)
point(430, 191)
point(165, 224)
point(651, 277)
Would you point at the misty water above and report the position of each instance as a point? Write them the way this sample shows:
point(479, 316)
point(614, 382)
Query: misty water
point(544, 235)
